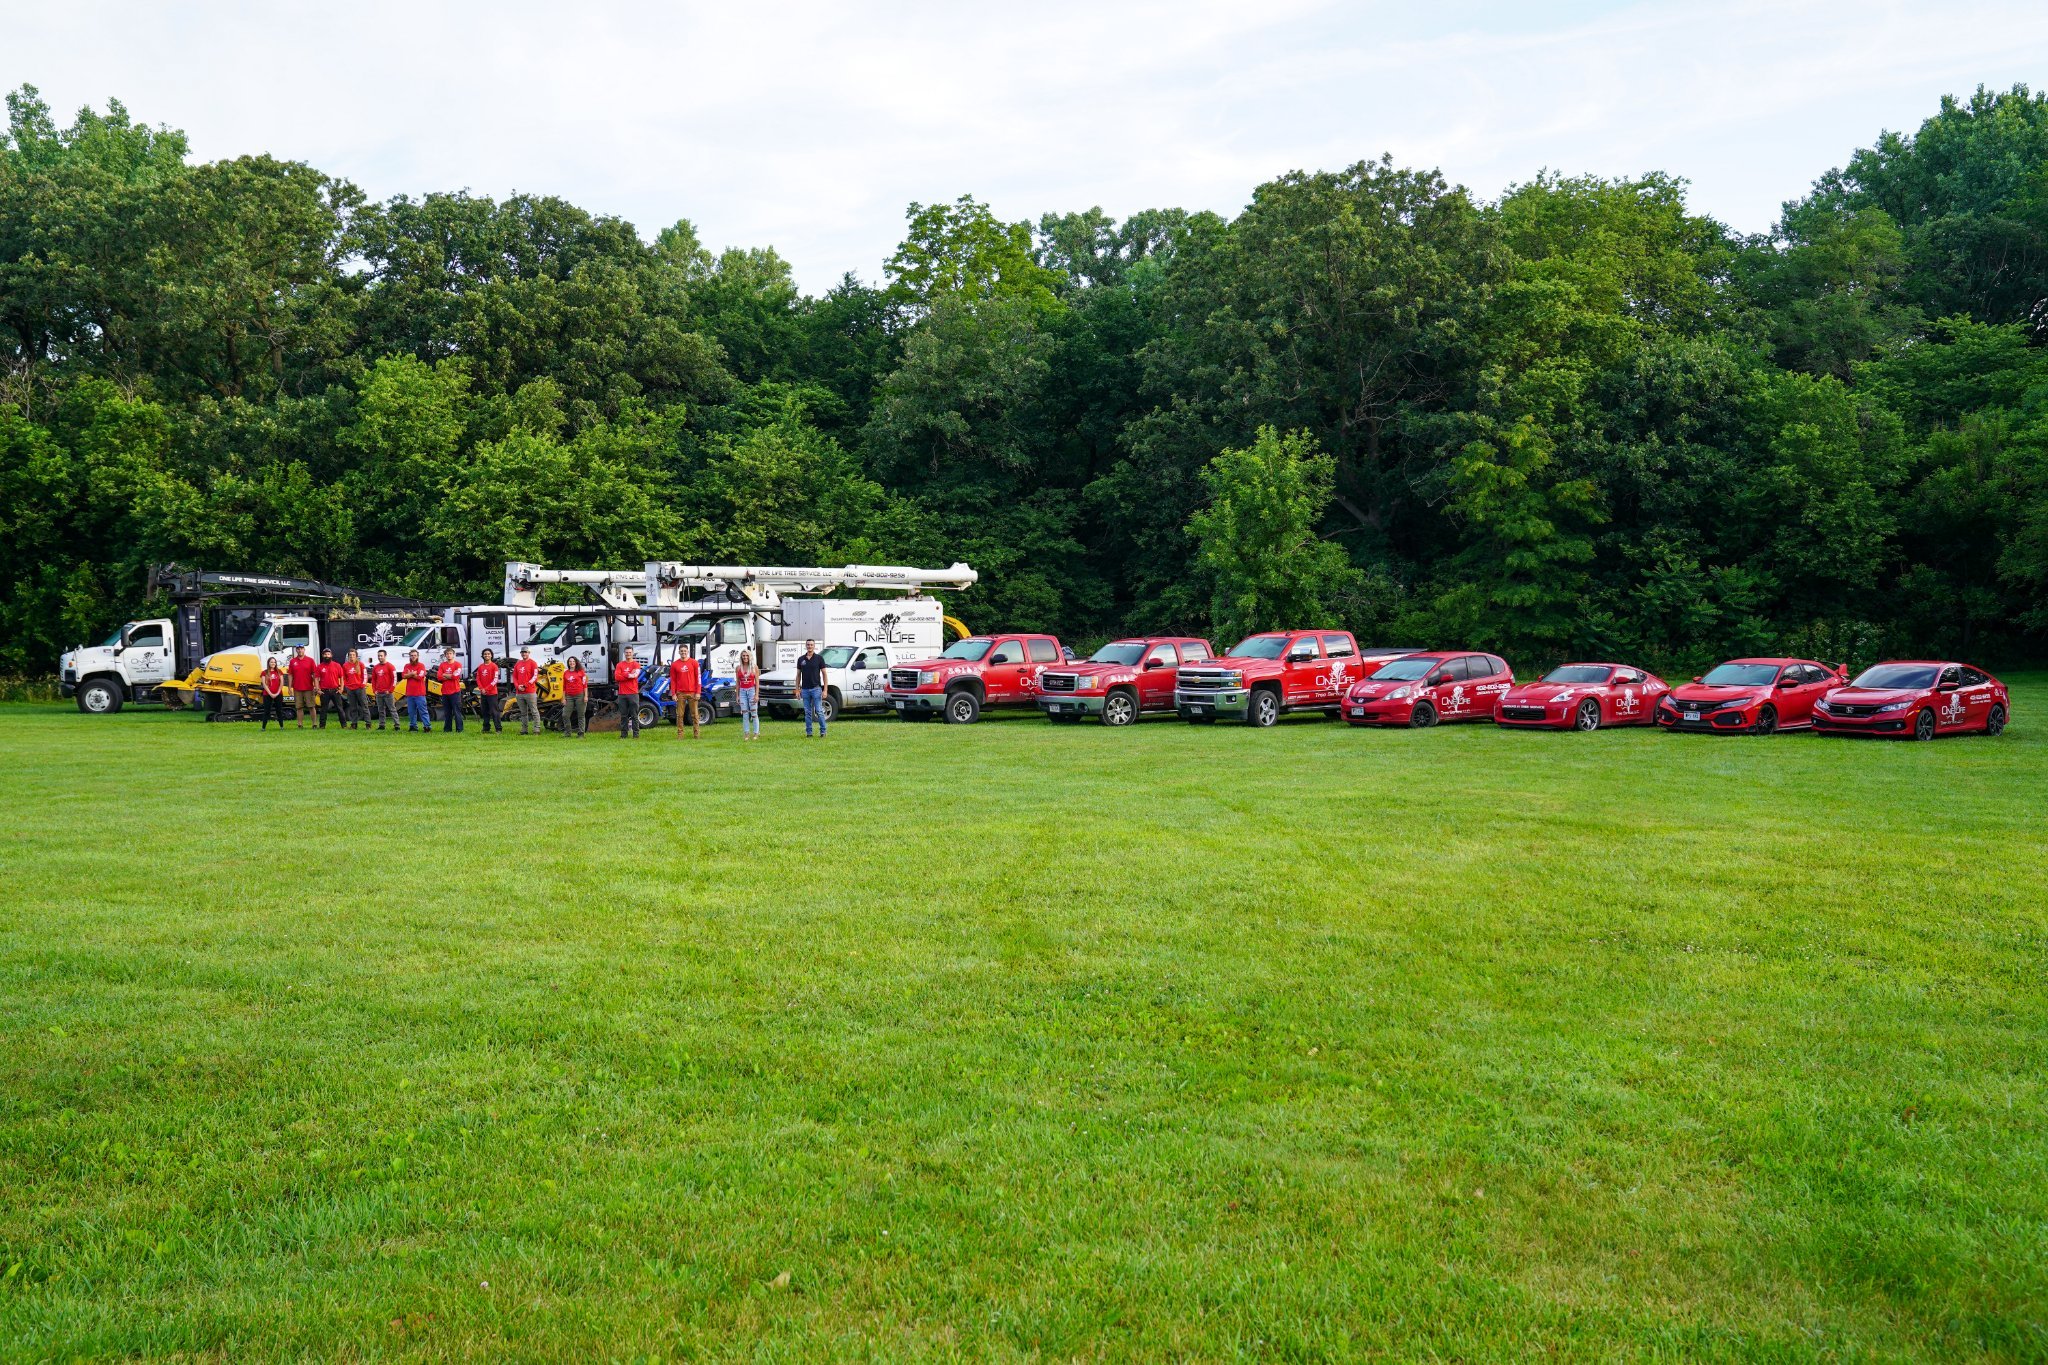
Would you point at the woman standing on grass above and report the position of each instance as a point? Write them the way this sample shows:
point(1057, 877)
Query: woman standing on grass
point(575, 698)
point(748, 683)
point(272, 706)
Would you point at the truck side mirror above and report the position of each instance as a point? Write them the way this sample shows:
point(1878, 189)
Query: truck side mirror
point(1155, 663)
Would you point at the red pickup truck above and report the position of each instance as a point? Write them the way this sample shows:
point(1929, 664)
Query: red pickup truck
point(1268, 674)
point(973, 675)
point(1120, 681)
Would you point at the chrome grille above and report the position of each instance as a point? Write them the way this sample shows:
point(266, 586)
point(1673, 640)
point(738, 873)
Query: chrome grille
point(903, 678)
point(1056, 682)
point(1204, 680)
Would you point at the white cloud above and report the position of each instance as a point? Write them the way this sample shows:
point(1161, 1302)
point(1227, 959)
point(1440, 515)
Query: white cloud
point(811, 126)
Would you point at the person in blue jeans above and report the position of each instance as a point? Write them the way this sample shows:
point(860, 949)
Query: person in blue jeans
point(810, 685)
point(746, 681)
point(415, 675)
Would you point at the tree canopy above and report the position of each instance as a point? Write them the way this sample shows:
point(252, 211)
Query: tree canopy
point(1578, 419)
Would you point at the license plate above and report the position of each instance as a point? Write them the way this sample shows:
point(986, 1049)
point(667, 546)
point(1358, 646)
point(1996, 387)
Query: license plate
point(1358, 710)
point(1692, 715)
point(901, 705)
point(1199, 709)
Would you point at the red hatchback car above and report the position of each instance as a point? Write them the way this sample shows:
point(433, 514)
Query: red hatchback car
point(1422, 689)
point(1917, 698)
point(1750, 696)
point(1583, 697)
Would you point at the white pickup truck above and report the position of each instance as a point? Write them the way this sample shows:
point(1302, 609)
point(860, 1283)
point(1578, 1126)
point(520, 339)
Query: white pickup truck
point(856, 679)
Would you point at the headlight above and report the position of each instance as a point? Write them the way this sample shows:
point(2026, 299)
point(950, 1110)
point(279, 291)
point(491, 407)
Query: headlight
point(1561, 697)
point(1088, 685)
point(926, 679)
point(1399, 694)
point(1895, 706)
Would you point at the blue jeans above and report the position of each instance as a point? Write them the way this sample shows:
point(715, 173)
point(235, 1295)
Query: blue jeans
point(416, 715)
point(814, 706)
point(750, 710)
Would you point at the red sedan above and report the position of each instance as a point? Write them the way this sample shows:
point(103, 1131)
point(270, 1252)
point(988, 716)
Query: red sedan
point(1917, 698)
point(1583, 697)
point(1422, 689)
point(1750, 696)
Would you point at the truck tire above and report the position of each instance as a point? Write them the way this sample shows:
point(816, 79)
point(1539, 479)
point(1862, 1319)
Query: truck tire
point(1263, 709)
point(832, 705)
point(1119, 708)
point(962, 708)
point(99, 696)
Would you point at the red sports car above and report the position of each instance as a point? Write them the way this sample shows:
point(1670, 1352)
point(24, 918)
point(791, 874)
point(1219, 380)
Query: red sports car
point(1422, 689)
point(1583, 697)
point(1750, 696)
point(1915, 697)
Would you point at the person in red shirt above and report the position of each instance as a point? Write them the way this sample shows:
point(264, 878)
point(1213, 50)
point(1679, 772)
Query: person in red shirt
point(305, 676)
point(416, 715)
point(272, 706)
point(383, 677)
point(683, 689)
point(525, 693)
point(627, 677)
point(487, 693)
point(449, 675)
point(330, 686)
point(575, 699)
point(353, 711)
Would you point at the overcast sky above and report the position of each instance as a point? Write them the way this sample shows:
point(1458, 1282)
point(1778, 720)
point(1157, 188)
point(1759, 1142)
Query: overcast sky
point(809, 127)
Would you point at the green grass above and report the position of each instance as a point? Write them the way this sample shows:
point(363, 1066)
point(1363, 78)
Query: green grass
point(1021, 1041)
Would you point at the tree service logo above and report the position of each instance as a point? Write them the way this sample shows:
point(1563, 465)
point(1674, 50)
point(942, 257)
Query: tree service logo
point(1952, 710)
point(1626, 704)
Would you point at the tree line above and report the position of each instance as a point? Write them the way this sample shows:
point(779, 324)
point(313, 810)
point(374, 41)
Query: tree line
point(1576, 420)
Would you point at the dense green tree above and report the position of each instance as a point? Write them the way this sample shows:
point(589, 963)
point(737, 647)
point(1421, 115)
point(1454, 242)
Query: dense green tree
point(1256, 540)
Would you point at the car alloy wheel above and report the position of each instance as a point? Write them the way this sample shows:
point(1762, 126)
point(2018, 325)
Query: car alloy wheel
point(1994, 724)
point(1118, 708)
point(1923, 725)
point(1422, 717)
point(1588, 717)
point(1767, 721)
point(1264, 710)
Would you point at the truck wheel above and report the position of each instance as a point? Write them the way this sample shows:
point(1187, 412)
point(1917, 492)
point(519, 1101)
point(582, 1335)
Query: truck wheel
point(1264, 709)
point(1119, 708)
point(830, 705)
point(99, 696)
point(962, 708)
point(1422, 717)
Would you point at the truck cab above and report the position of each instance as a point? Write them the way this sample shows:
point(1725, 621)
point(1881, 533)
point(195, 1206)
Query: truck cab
point(972, 675)
point(856, 679)
point(1121, 681)
point(129, 665)
point(1266, 675)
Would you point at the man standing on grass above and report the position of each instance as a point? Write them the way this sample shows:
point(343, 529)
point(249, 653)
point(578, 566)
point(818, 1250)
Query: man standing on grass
point(305, 688)
point(449, 675)
point(330, 686)
point(525, 674)
point(810, 685)
point(684, 689)
point(417, 716)
point(627, 678)
point(353, 711)
point(383, 677)
point(487, 693)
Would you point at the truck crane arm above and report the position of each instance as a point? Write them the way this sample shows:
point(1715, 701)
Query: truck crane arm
point(620, 589)
point(666, 582)
point(196, 585)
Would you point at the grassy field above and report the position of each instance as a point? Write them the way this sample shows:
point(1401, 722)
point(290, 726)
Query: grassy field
point(1020, 1041)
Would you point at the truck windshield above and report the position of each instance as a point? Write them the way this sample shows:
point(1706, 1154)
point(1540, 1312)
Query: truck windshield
point(115, 638)
point(1896, 675)
point(1259, 647)
point(550, 632)
point(1576, 673)
point(835, 656)
point(1407, 670)
point(972, 648)
point(1119, 652)
point(417, 637)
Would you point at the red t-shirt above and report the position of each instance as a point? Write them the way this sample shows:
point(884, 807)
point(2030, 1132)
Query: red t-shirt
point(352, 676)
point(330, 676)
point(487, 678)
point(303, 671)
point(575, 682)
point(682, 677)
point(627, 676)
point(744, 677)
point(381, 677)
point(415, 680)
point(273, 682)
point(449, 675)
point(522, 675)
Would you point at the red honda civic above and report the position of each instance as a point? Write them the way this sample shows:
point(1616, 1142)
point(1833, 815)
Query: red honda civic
point(1583, 697)
point(1750, 696)
point(1915, 697)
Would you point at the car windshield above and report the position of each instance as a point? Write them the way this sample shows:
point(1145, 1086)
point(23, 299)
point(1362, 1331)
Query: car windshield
point(835, 656)
point(971, 648)
point(1741, 675)
point(546, 635)
point(1576, 673)
point(1406, 670)
point(1119, 652)
point(1259, 647)
point(1897, 675)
